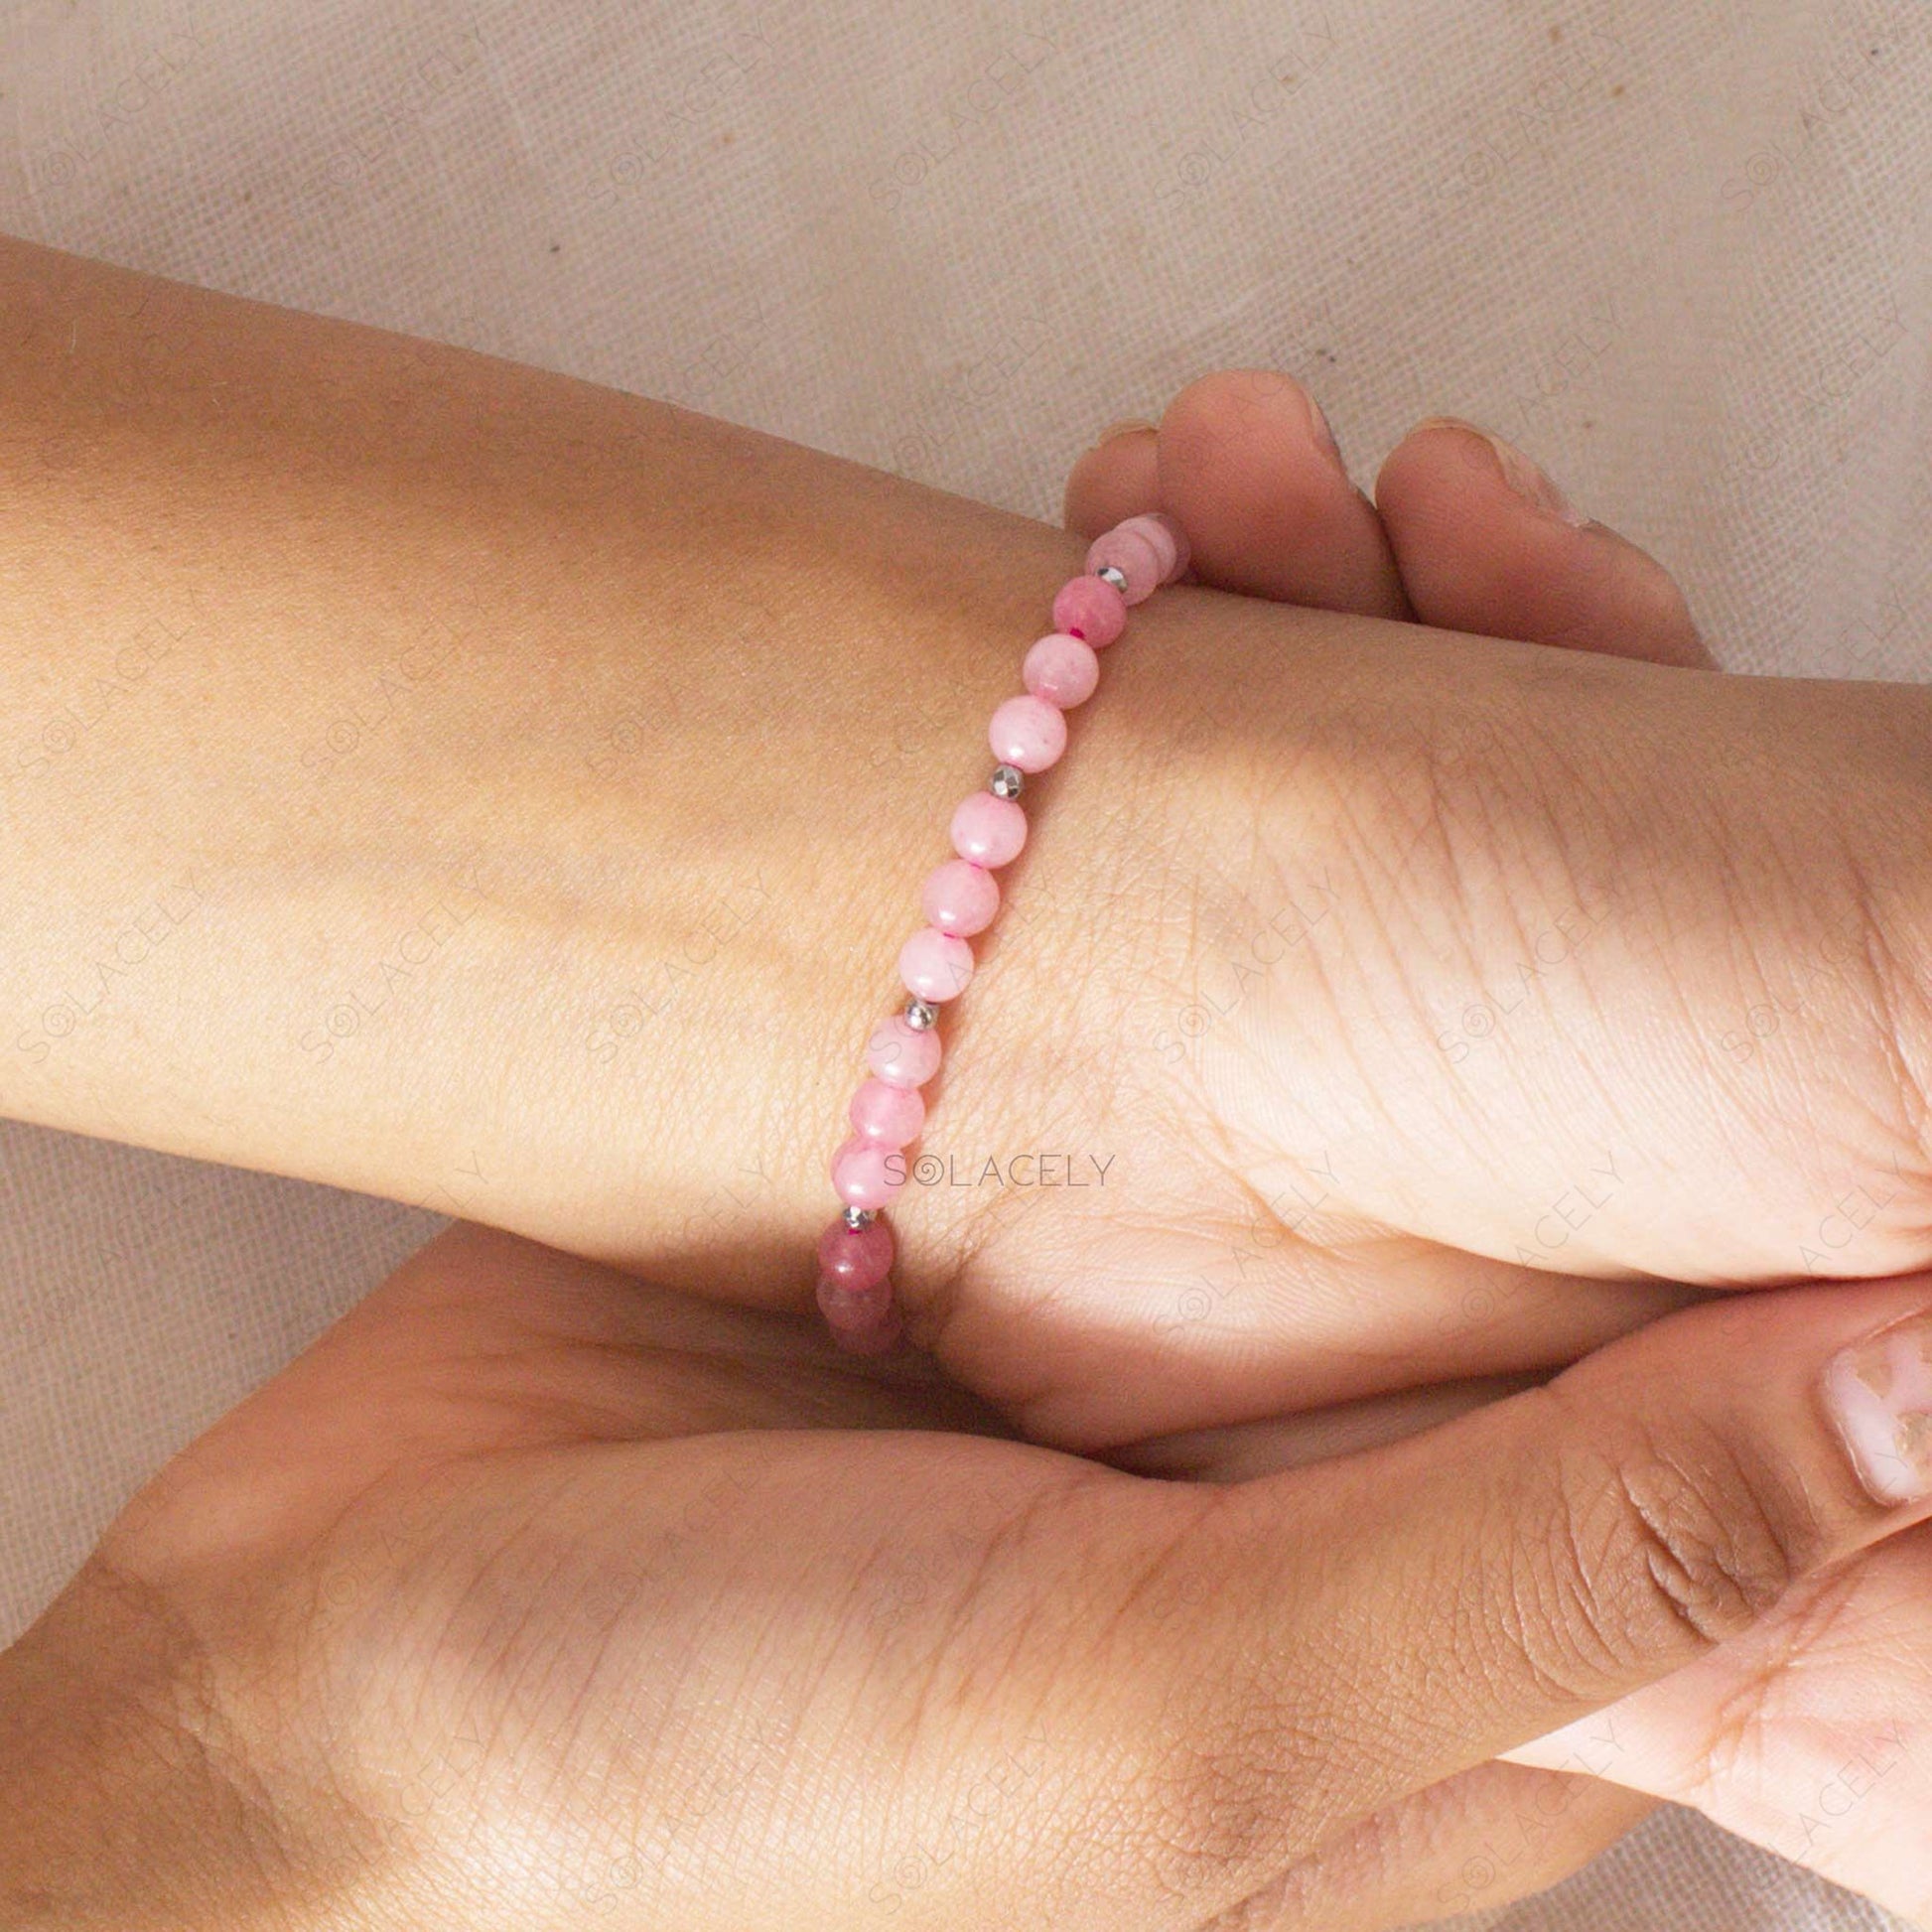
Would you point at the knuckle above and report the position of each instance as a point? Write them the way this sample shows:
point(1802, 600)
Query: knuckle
point(1707, 1540)
point(1671, 1549)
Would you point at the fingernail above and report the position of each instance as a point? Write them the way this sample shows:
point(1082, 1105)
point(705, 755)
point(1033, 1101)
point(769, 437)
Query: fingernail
point(1528, 479)
point(1120, 428)
point(1324, 436)
point(1879, 1394)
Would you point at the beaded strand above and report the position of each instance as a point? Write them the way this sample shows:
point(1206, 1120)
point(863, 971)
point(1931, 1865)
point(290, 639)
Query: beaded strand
point(960, 898)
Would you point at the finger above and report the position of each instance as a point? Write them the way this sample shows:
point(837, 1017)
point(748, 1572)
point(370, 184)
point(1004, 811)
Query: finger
point(1829, 1698)
point(1117, 478)
point(1296, 1652)
point(549, 1350)
point(1474, 1843)
point(1316, 1325)
point(1250, 469)
point(1487, 543)
point(1239, 1452)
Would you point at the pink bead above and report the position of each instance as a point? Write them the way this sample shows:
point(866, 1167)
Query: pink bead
point(866, 1324)
point(988, 829)
point(852, 1260)
point(865, 1175)
point(1133, 556)
point(854, 1305)
point(1061, 669)
point(1183, 551)
point(1028, 733)
point(901, 1054)
point(887, 1115)
point(861, 1306)
point(960, 898)
point(1089, 608)
point(1168, 539)
point(935, 965)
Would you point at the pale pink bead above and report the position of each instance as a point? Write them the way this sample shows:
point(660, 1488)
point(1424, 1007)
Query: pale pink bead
point(1090, 607)
point(935, 965)
point(853, 1259)
point(1168, 539)
point(1061, 669)
point(1028, 733)
point(1130, 553)
point(988, 830)
point(866, 1324)
point(901, 1054)
point(887, 1115)
point(960, 896)
point(1183, 551)
point(865, 1175)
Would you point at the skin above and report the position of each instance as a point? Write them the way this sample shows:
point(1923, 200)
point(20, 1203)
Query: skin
point(1326, 1206)
point(533, 1592)
point(1288, 854)
point(1801, 1736)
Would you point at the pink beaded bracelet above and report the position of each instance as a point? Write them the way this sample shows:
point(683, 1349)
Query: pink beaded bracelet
point(1028, 734)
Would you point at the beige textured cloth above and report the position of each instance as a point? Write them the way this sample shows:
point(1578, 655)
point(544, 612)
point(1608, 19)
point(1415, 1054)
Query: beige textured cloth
point(1679, 250)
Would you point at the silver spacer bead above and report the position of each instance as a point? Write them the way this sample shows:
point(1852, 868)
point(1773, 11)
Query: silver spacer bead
point(1006, 782)
point(920, 1014)
point(860, 1218)
point(1114, 575)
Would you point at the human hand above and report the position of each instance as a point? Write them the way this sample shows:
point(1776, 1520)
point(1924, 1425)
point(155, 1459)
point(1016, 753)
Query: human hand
point(1804, 1735)
point(533, 1594)
point(1577, 810)
point(1464, 533)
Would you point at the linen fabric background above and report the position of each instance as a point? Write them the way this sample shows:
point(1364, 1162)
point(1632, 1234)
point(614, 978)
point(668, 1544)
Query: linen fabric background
point(1681, 252)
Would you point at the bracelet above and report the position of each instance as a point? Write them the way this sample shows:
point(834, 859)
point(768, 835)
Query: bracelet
point(1028, 734)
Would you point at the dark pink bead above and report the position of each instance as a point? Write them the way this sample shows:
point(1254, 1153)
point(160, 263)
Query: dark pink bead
point(853, 1304)
point(866, 1323)
point(1089, 608)
point(854, 1259)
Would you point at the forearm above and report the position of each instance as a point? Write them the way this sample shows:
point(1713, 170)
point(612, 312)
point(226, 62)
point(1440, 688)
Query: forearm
point(442, 779)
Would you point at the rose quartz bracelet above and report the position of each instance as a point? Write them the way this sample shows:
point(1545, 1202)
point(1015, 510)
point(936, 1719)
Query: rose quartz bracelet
point(1028, 734)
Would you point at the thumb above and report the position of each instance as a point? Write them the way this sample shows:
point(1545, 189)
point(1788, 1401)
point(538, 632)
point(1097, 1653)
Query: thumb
point(1304, 1648)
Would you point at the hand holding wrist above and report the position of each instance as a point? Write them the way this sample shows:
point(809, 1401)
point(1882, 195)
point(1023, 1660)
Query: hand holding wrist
point(531, 1589)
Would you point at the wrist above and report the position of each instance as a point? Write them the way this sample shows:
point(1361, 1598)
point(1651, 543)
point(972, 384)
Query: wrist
point(743, 1040)
point(865, 752)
